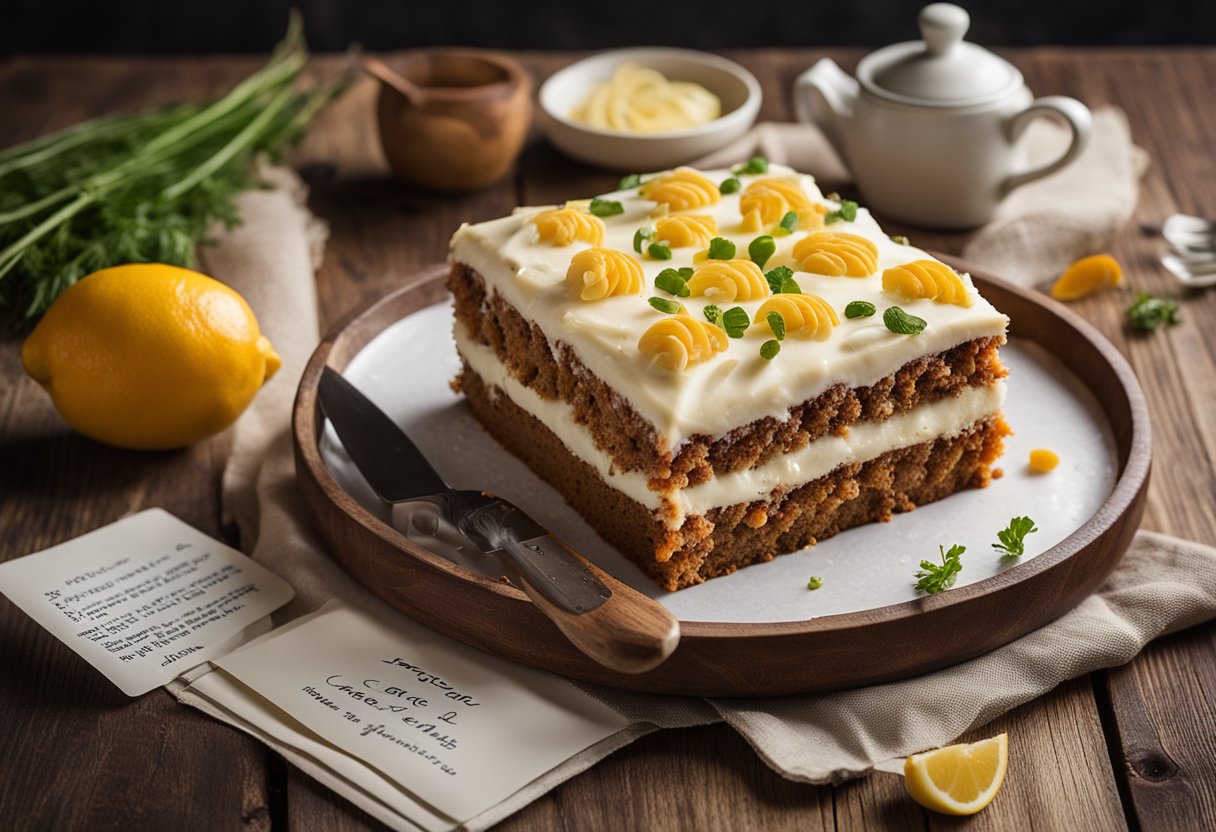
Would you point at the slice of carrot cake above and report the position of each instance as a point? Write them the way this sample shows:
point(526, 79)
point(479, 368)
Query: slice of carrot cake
point(714, 368)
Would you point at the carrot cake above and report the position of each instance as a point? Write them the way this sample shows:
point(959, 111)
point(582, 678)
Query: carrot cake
point(716, 367)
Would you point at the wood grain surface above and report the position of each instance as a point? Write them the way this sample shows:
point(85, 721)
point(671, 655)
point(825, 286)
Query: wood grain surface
point(1134, 746)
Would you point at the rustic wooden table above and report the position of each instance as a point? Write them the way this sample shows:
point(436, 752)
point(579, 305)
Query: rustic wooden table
point(1133, 746)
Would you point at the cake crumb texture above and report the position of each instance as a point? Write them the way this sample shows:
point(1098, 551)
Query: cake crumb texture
point(553, 371)
point(731, 537)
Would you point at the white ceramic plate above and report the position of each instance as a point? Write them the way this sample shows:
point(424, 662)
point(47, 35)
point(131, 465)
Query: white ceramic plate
point(406, 370)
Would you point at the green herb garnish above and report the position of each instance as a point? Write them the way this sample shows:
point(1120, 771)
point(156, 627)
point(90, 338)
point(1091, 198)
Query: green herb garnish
point(712, 313)
point(1148, 313)
point(640, 237)
point(815, 582)
point(847, 211)
point(901, 323)
point(934, 577)
point(754, 165)
point(721, 249)
point(659, 251)
point(606, 207)
point(148, 188)
point(769, 350)
point(789, 222)
point(1012, 538)
point(761, 249)
point(777, 324)
point(670, 280)
point(664, 305)
point(901, 239)
point(859, 309)
point(735, 321)
point(781, 281)
point(633, 180)
point(730, 186)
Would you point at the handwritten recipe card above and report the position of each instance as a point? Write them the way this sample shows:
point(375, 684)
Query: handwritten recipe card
point(458, 728)
point(143, 599)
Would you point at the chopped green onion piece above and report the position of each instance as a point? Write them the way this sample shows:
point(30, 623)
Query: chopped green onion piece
point(781, 281)
point(730, 186)
point(847, 211)
point(685, 272)
point(633, 180)
point(815, 582)
point(756, 164)
point(665, 305)
point(761, 249)
point(640, 237)
point(900, 322)
point(859, 309)
point(721, 249)
point(789, 222)
point(712, 314)
point(777, 324)
point(670, 280)
point(735, 321)
point(659, 251)
point(606, 207)
point(901, 239)
point(769, 350)
point(777, 276)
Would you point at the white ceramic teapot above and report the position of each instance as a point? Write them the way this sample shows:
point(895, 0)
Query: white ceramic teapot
point(930, 128)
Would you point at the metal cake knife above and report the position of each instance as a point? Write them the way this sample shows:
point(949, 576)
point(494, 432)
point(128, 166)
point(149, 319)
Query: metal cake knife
point(609, 621)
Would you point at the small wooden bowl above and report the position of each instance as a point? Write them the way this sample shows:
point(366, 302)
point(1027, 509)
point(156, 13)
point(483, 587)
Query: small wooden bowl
point(451, 120)
point(749, 659)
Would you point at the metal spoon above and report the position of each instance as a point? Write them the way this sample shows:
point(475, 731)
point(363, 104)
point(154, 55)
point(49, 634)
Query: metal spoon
point(1193, 240)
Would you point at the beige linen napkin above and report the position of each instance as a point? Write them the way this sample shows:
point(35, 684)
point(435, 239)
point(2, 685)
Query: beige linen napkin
point(1162, 585)
point(1041, 227)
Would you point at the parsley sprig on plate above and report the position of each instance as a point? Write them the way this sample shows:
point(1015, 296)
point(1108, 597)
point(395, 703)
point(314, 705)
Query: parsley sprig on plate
point(1012, 539)
point(934, 577)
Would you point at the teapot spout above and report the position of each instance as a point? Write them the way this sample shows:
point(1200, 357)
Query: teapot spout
point(824, 96)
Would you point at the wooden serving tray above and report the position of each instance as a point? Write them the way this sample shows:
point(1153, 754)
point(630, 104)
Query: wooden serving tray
point(742, 659)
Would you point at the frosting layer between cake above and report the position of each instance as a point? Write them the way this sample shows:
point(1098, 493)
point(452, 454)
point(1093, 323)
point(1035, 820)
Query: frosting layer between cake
point(864, 441)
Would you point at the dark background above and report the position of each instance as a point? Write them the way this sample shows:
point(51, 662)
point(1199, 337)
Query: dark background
point(202, 26)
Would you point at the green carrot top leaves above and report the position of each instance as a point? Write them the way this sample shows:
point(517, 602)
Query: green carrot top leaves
point(144, 188)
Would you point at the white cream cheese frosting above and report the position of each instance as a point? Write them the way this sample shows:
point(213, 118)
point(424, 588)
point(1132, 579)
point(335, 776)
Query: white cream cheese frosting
point(865, 441)
point(738, 386)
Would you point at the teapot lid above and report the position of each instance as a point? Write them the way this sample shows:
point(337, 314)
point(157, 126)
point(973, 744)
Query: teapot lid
point(942, 70)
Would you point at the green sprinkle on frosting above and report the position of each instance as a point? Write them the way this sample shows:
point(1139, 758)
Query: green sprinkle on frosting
point(606, 207)
point(721, 249)
point(859, 309)
point(669, 307)
point(659, 251)
point(761, 249)
point(901, 323)
point(671, 281)
point(777, 324)
point(735, 321)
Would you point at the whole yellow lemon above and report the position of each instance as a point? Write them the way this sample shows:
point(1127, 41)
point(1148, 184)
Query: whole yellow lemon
point(148, 356)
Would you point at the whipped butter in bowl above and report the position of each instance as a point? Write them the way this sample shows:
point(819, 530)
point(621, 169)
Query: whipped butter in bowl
point(648, 108)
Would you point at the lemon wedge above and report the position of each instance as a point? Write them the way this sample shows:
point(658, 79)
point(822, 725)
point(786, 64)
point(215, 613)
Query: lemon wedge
point(958, 779)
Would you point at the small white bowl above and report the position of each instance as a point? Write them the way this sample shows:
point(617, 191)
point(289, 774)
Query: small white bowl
point(569, 87)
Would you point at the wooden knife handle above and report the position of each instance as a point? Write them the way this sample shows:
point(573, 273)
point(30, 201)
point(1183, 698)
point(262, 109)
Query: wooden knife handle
point(628, 632)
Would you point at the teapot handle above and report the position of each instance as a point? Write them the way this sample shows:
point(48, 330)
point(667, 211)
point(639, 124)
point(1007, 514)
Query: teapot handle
point(1075, 114)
